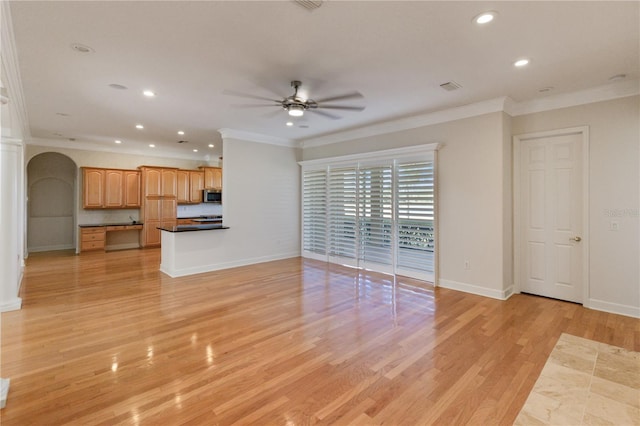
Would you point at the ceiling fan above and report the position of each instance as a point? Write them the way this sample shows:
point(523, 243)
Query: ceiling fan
point(297, 105)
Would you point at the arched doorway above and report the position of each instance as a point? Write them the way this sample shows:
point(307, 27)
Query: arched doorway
point(51, 189)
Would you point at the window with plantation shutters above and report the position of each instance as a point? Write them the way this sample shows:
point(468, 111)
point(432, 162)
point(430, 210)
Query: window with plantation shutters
point(415, 212)
point(314, 212)
point(375, 217)
point(376, 212)
point(342, 215)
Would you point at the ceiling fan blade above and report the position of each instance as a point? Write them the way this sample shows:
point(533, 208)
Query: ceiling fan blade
point(247, 95)
point(253, 105)
point(272, 114)
point(352, 95)
point(345, 108)
point(325, 114)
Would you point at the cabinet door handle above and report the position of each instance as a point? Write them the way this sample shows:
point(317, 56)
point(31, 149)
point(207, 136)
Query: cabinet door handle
point(576, 239)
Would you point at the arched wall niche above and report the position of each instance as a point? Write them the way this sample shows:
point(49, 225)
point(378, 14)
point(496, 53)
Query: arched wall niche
point(51, 200)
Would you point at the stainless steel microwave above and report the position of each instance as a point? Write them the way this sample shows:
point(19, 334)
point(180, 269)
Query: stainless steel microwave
point(212, 196)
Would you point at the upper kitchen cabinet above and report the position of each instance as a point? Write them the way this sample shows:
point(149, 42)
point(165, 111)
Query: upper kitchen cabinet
point(184, 191)
point(93, 188)
point(131, 188)
point(190, 186)
point(212, 177)
point(159, 181)
point(110, 188)
point(113, 194)
point(196, 184)
point(169, 183)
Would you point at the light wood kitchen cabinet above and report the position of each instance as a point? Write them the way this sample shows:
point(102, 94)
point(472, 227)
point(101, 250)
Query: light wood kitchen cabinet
point(159, 205)
point(131, 180)
point(190, 185)
point(151, 181)
point(196, 184)
point(184, 188)
point(212, 177)
point(93, 188)
point(110, 188)
point(169, 183)
point(113, 188)
point(92, 238)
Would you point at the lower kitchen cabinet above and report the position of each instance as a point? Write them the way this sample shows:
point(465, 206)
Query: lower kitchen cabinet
point(92, 238)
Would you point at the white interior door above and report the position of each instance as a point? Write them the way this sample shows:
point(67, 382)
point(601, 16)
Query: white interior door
point(551, 216)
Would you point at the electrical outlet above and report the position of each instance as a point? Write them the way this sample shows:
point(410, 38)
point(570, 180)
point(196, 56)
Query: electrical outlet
point(614, 226)
point(467, 265)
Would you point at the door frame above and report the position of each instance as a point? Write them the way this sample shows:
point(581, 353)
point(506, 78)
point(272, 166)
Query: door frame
point(517, 203)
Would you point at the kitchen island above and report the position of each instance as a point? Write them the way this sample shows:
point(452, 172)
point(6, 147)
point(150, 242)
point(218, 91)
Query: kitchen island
point(191, 249)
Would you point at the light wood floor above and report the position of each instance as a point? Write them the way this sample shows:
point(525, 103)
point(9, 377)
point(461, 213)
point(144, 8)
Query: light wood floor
point(105, 338)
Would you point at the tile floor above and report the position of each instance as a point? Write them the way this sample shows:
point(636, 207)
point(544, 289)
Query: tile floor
point(585, 383)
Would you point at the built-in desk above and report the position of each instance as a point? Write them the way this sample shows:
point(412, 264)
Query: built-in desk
point(94, 236)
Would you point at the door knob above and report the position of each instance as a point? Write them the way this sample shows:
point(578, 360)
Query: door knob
point(576, 239)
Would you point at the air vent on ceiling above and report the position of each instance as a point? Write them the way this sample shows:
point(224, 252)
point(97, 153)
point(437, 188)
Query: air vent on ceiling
point(309, 4)
point(451, 85)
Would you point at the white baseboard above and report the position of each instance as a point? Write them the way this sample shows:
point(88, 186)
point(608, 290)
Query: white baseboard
point(614, 308)
point(174, 273)
point(4, 391)
point(475, 289)
point(12, 305)
point(51, 248)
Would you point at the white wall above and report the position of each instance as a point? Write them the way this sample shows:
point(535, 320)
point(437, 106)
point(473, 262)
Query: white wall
point(260, 204)
point(614, 195)
point(474, 207)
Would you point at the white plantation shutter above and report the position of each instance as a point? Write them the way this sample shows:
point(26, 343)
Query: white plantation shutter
point(342, 209)
point(373, 211)
point(314, 213)
point(415, 209)
point(375, 217)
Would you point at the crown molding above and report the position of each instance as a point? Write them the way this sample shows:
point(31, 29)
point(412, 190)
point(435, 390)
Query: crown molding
point(457, 113)
point(257, 137)
point(616, 90)
point(93, 147)
point(11, 70)
point(606, 92)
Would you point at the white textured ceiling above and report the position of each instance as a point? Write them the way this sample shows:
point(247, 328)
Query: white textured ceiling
point(395, 53)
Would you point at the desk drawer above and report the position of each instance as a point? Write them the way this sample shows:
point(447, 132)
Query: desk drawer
point(92, 245)
point(93, 236)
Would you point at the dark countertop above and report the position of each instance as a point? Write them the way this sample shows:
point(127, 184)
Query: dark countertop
point(95, 225)
point(212, 217)
point(189, 228)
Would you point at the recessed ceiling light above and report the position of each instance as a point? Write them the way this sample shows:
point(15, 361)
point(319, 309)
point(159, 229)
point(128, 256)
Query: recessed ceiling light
point(289, 123)
point(82, 48)
point(521, 62)
point(118, 141)
point(195, 150)
point(151, 145)
point(118, 86)
point(139, 126)
point(211, 145)
point(485, 17)
point(149, 93)
point(180, 132)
